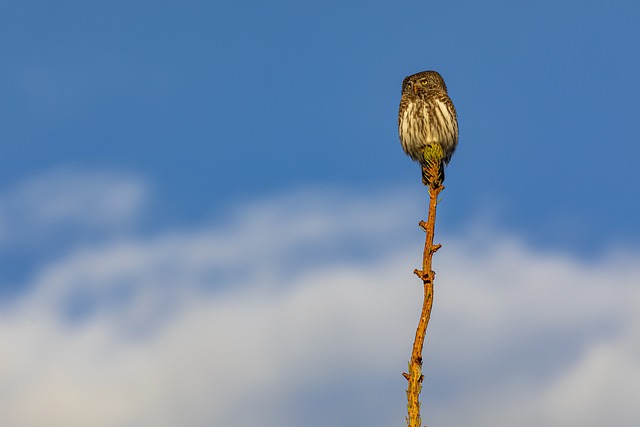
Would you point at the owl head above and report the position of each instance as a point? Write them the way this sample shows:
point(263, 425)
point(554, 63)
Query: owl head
point(424, 80)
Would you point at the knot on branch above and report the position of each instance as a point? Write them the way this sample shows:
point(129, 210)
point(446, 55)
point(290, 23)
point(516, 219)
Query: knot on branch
point(425, 277)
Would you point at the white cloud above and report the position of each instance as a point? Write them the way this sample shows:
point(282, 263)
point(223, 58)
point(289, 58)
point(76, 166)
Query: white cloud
point(65, 201)
point(271, 320)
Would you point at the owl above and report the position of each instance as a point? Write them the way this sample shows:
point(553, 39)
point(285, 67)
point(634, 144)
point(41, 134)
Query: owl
point(427, 116)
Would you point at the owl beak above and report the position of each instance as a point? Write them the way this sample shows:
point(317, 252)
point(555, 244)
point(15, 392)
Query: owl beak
point(415, 88)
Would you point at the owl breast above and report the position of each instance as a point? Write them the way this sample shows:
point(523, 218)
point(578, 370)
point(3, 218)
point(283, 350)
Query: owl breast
point(424, 120)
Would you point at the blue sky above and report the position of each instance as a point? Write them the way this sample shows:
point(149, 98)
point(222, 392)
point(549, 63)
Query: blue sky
point(219, 102)
point(176, 173)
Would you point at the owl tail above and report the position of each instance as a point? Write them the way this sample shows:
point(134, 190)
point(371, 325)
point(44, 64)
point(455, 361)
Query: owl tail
point(427, 176)
point(433, 165)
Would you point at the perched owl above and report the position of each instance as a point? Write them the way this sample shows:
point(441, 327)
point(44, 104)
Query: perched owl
point(427, 116)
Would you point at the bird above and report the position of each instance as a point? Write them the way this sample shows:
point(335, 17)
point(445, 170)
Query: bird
point(427, 116)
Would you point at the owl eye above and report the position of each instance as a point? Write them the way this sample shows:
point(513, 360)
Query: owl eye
point(424, 82)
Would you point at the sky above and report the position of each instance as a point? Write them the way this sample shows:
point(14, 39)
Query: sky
point(206, 217)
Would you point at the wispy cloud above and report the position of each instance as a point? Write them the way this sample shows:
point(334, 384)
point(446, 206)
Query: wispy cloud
point(301, 310)
point(64, 201)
